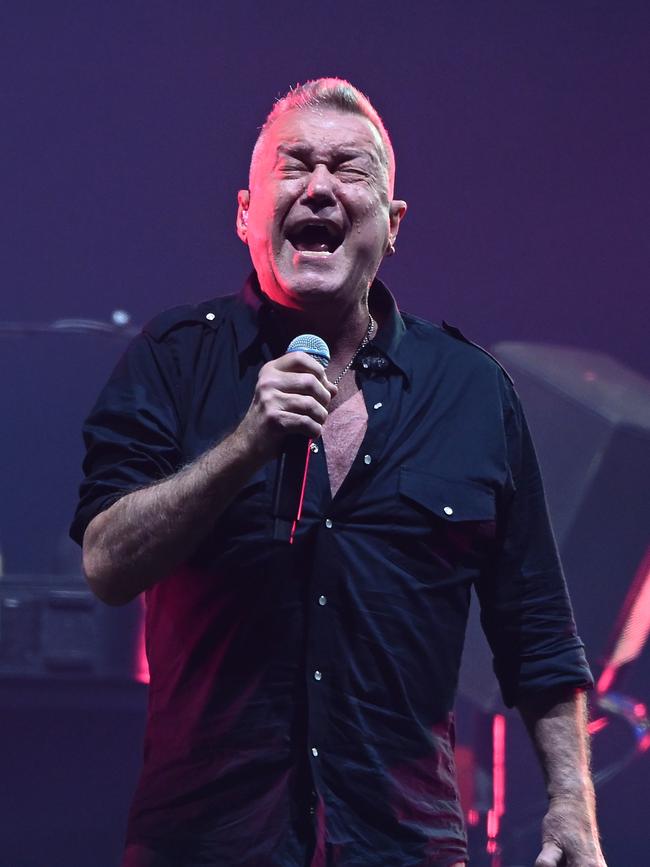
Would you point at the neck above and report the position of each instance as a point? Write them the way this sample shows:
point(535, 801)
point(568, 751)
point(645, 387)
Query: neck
point(342, 332)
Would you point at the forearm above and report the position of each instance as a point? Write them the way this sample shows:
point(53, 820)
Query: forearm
point(557, 724)
point(143, 536)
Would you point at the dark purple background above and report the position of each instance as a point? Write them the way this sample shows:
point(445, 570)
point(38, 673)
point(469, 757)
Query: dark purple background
point(522, 133)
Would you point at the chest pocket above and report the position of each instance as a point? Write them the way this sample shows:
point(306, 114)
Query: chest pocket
point(452, 522)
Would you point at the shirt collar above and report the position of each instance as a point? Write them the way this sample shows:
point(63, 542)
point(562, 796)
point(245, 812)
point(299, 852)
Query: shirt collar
point(248, 315)
point(253, 321)
point(390, 342)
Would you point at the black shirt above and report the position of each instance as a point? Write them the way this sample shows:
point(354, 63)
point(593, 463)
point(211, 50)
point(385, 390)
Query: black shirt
point(300, 705)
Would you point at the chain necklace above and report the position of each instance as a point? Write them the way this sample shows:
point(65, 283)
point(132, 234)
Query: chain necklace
point(364, 342)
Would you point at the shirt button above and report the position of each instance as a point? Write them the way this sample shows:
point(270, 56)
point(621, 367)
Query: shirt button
point(314, 448)
point(209, 316)
point(314, 751)
point(365, 365)
point(378, 405)
point(448, 510)
point(329, 523)
point(317, 675)
point(367, 459)
point(322, 600)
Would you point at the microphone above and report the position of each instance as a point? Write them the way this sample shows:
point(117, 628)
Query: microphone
point(293, 464)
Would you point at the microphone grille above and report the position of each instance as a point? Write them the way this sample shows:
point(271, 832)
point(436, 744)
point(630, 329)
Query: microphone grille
point(312, 345)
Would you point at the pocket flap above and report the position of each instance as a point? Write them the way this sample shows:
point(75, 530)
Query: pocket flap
point(451, 500)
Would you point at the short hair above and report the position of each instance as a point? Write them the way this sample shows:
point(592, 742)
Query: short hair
point(337, 94)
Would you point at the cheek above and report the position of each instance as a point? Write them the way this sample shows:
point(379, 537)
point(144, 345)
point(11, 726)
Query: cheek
point(272, 213)
point(264, 203)
point(261, 226)
point(370, 222)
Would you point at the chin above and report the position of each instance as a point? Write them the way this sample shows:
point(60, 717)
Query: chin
point(306, 287)
point(311, 292)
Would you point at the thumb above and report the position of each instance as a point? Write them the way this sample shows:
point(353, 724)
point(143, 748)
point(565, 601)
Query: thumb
point(550, 856)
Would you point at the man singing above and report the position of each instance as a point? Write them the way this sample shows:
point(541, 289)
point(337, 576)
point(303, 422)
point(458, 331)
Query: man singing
point(300, 706)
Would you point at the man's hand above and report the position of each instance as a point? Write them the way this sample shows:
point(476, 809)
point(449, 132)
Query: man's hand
point(292, 396)
point(570, 836)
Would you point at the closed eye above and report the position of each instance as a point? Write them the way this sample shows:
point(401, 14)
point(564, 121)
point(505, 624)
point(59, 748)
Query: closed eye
point(292, 167)
point(352, 171)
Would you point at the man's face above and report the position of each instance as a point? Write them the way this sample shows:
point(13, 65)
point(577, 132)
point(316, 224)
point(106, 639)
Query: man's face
point(318, 218)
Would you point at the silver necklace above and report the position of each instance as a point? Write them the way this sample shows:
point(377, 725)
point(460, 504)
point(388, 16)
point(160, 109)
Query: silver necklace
point(364, 342)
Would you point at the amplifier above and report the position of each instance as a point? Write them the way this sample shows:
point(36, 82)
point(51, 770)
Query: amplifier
point(53, 626)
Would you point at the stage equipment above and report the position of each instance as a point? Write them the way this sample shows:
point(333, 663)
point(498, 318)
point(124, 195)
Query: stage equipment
point(50, 375)
point(73, 700)
point(71, 751)
point(53, 626)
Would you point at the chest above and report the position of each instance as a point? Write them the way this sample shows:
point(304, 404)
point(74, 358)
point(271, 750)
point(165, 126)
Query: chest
point(342, 436)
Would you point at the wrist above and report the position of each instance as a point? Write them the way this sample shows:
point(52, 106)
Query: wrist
point(580, 795)
point(243, 449)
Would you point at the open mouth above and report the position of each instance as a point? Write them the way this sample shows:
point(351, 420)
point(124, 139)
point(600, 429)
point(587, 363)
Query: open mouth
point(316, 237)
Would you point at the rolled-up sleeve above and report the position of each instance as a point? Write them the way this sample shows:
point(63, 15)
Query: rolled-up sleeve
point(525, 608)
point(131, 434)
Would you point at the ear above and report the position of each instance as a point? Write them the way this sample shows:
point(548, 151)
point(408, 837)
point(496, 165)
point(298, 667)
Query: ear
point(243, 201)
point(397, 210)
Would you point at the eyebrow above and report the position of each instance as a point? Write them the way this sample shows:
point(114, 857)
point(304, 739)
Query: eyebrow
point(346, 152)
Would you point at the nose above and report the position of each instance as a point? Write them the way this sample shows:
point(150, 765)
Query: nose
point(320, 189)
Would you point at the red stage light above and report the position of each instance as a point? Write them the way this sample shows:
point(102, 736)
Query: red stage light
point(498, 782)
point(633, 627)
point(140, 663)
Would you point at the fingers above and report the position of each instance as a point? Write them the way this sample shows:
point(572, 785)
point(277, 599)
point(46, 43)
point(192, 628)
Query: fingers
point(302, 362)
point(299, 361)
point(292, 396)
point(291, 423)
point(301, 375)
point(550, 856)
point(303, 405)
point(299, 384)
point(285, 414)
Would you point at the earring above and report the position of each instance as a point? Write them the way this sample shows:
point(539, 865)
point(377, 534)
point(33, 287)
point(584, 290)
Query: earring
point(391, 248)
